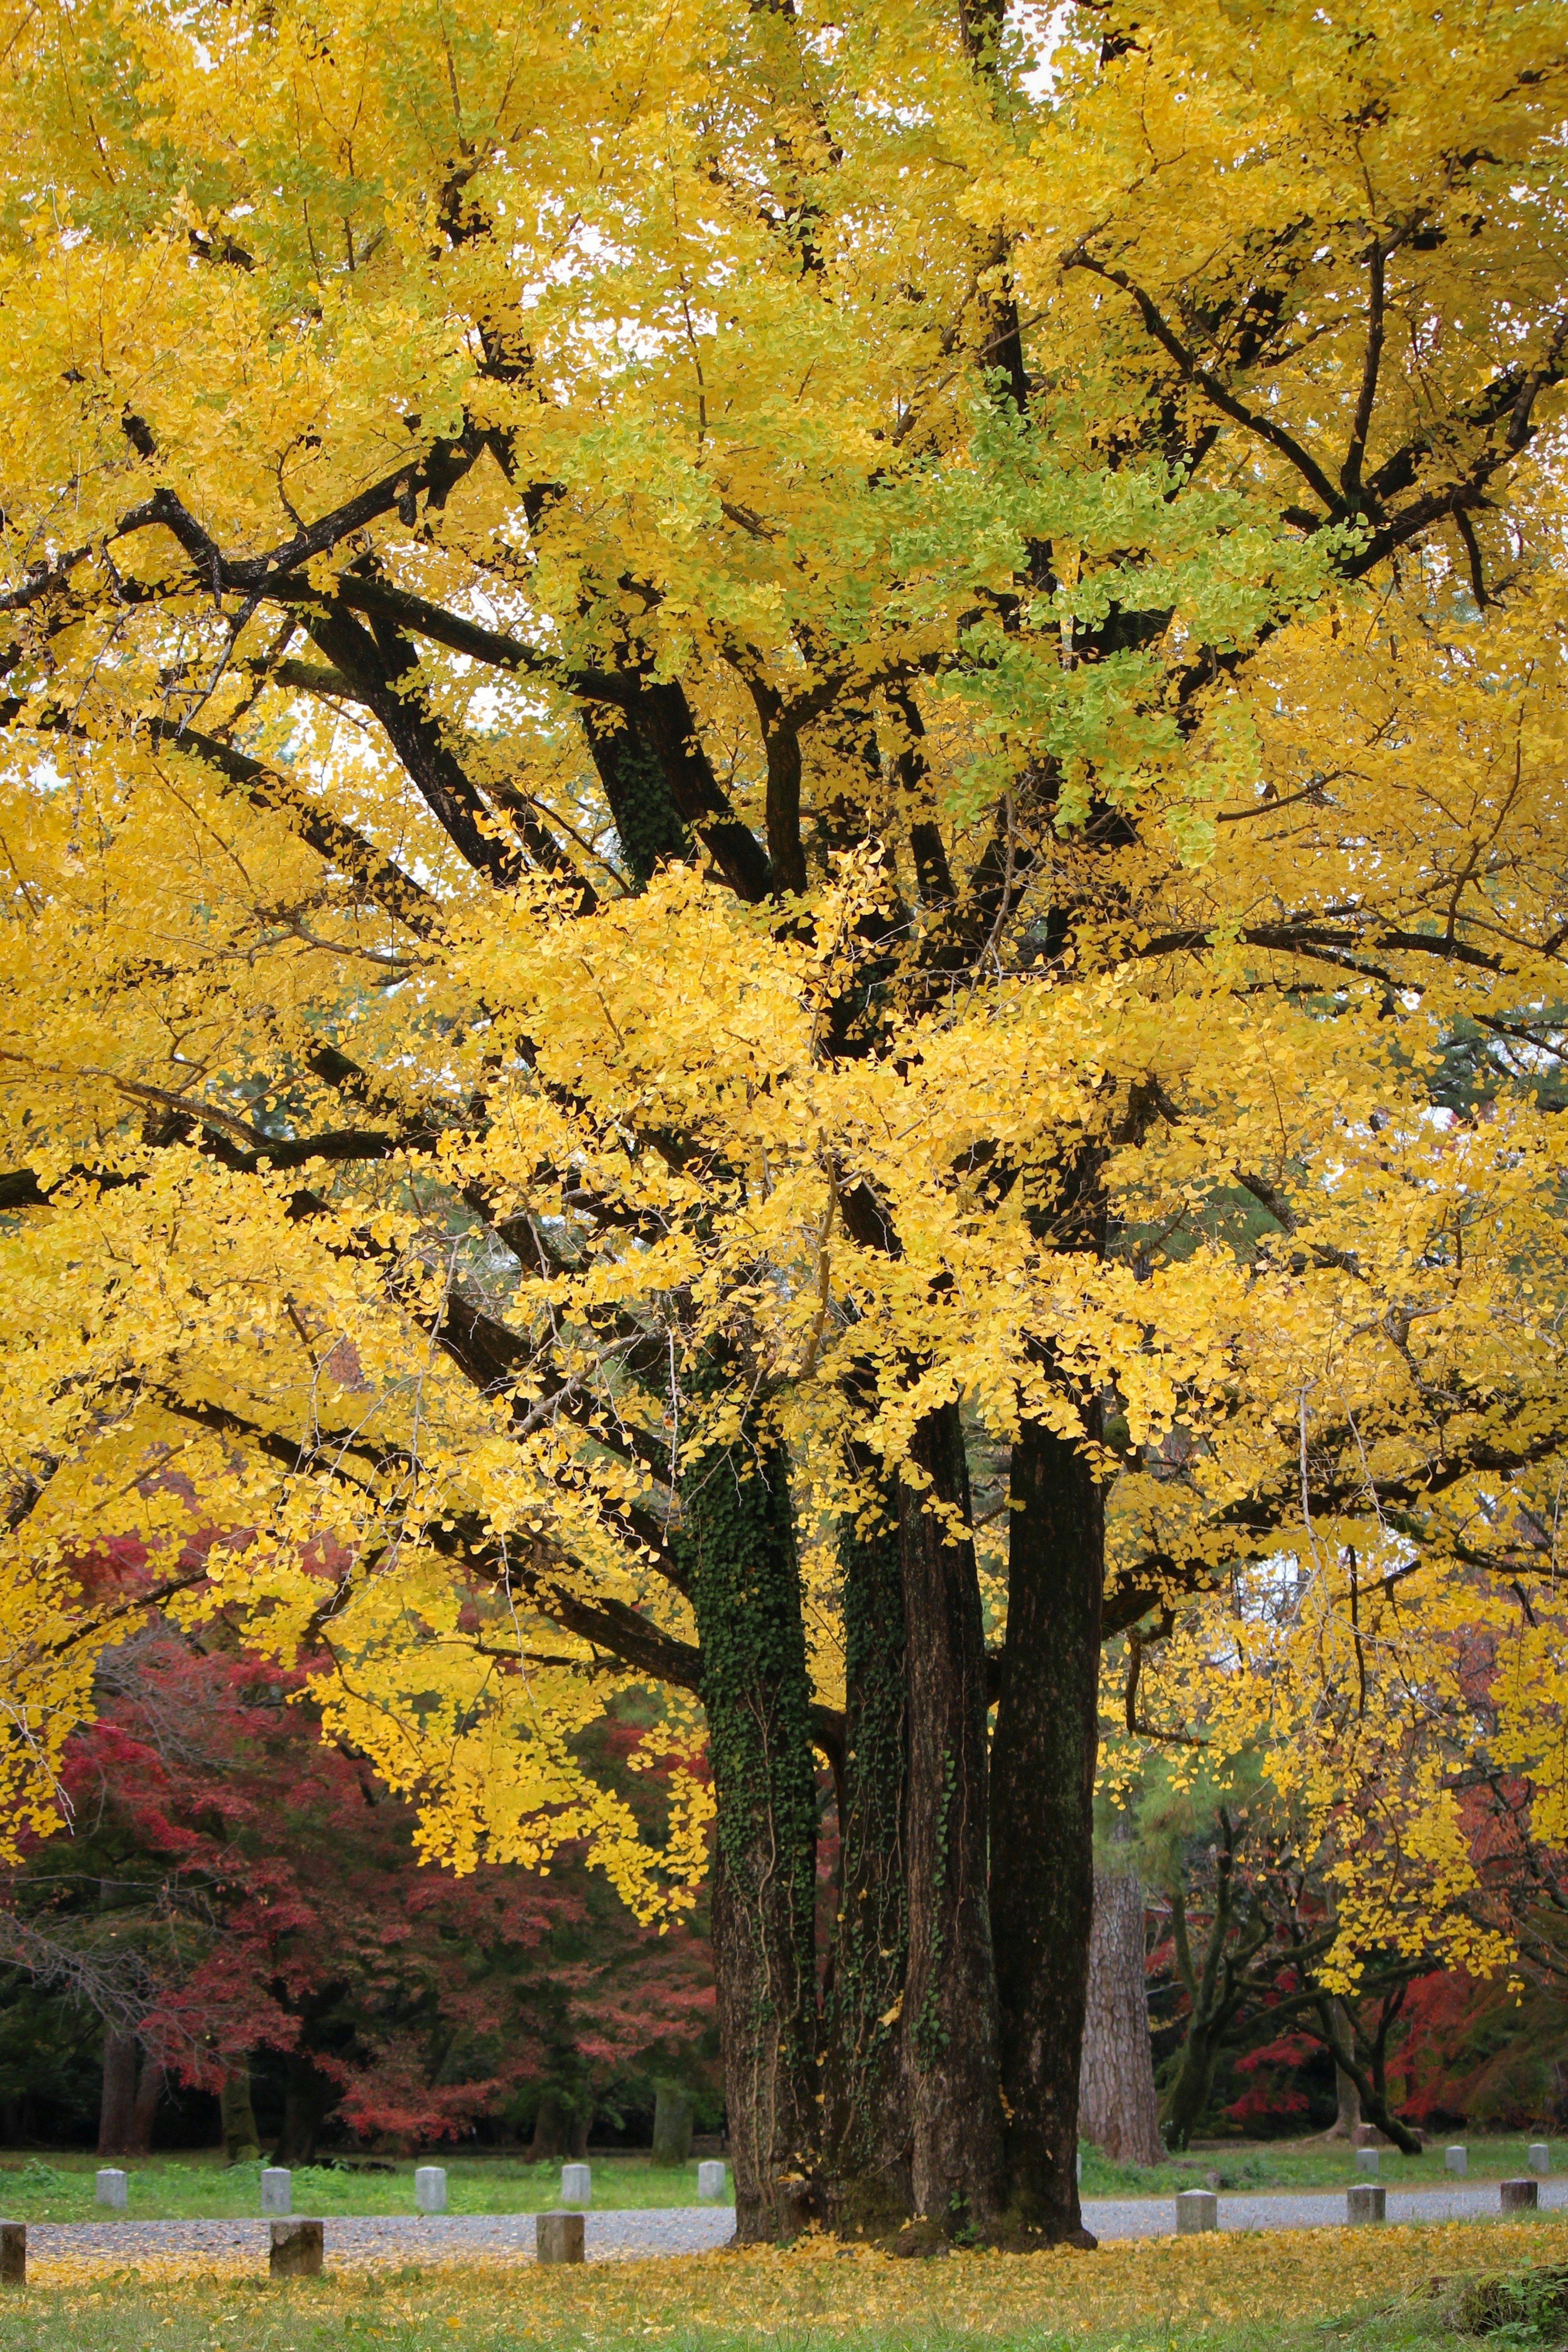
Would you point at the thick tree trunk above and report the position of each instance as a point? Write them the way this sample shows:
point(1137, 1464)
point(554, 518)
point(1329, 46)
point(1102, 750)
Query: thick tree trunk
point(117, 2106)
point(736, 1543)
point(866, 2128)
point(1117, 2106)
point(1042, 1820)
point(949, 2014)
point(242, 2141)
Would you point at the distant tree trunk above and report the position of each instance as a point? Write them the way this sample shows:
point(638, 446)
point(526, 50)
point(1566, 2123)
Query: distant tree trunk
point(1117, 2106)
point(242, 2141)
point(1347, 2097)
point(577, 2125)
point(672, 2126)
point(149, 2091)
point(866, 2119)
point(117, 2107)
point(549, 2143)
point(949, 2015)
point(736, 1542)
point(1042, 1820)
point(308, 2098)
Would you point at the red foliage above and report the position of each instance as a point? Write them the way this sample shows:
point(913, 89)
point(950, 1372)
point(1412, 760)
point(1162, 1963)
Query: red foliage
point(277, 1903)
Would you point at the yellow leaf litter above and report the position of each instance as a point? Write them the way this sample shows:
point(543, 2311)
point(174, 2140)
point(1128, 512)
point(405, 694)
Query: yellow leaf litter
point(1216, 2280)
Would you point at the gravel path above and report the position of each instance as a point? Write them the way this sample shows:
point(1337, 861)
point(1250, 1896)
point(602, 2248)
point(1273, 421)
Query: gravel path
point(387, 2242)
point(1311, 2209)
point(380, 2241)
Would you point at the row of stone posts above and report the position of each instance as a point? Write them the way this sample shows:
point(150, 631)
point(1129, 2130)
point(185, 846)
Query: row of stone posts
point(429, 2187)
point(1198, 2209)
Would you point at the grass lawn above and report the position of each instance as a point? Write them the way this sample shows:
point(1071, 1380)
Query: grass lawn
point(1367, 2290)
point(202, 2188)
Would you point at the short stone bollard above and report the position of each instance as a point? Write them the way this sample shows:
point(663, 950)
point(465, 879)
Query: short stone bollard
point(1521, 2196)
point(13, 2253)
point(1197, 2209)
point(1366, 2161)
point(1457, 2161)
point(112, 2187)
point(710, 2180)
point(296, 2249)
point(1365, 2203)
point(429, 2188)
point(275, 2189)
point(1540, 2156)
point(558, 2237)
point(575, 2184)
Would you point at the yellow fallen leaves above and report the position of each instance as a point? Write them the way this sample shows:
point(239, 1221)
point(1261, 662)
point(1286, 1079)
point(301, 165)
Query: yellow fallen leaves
point(1138, 2285)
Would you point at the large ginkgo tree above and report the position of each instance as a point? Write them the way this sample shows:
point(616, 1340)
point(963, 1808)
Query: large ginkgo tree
point(758, 761)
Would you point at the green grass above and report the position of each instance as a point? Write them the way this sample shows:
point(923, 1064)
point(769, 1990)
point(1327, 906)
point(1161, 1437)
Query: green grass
point(202, 2188)
point(1260, 2165)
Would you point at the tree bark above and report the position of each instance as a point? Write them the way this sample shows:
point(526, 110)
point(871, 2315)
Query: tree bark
point(550, 2140)
point(242, 2141)
point(117, 2106)
point(1117, 2106)
point(1347, 2097)
point(308, 2098)
point(145, 2114)
point(1043, 1837)
point(736, 1542)
point(672, 2126)
point(866, 2178)
point(949, 2014)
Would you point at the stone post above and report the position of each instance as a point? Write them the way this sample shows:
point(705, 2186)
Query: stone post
point(13, 2253)
point(1197, 2209)
point(1366, 2161)
point(1540, 2156)
point(1365, 2203)
point(112, 2187)
point(1457, 2161)
point(296, 2249)
point(710, 2181)
point(275, 2189)
point(558, 2237)
point(575, 2184)
point(1521, 2196)
point(429, 2188)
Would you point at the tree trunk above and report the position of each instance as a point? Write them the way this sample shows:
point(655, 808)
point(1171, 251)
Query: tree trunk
point(1042, 1836)
point(949, 2014)
point(117, 2107)
point(242, 2141)
point(549, 2143)
point(1117, 2106)
point(736, 1543)
point(1347, 2098)
point(1188, 2095)
point(145, 2114)
point(866, 2129)
point(1334, 2020)
point(308, 2098)
point(672, 2126)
